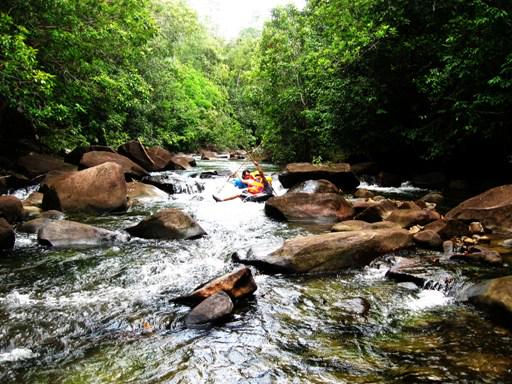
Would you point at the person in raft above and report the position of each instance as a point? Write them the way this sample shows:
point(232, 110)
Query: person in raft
point(251, 184)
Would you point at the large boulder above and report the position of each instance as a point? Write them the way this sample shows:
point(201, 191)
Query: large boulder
point(211, 310)
point(328, 252)
point(238, 285)
point(76, 154)
point(324, 207)
point(409, 217)
point(492, 208)
point(11, 208)
point(66, 233)
point(35, 164)
point(208, 155)
point(134, 150)
point(7, 236)
point(340, 174)
point(94, 158)
point(167, 224)
point(140, 191)
point(494, 295)
point(165, 160)
point(97, 189)
point(315, 186)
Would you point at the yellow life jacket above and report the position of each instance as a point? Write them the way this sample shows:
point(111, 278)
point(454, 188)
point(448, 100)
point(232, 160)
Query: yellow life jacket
point(255, 175)
point(256, 186)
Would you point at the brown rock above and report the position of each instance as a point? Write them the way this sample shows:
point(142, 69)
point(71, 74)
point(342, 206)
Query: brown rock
point(408, 205)
point(359, 225)
point(448, 229)
point(135, 151)
point(323, 207)
point(339, 174)
point(76, 154)
point(328, 252)
point(35, 199)
point(492, 208)
point(433, 197)
point(494, 295)
point(129, 168)
point(64, 233)
point(377, 212)
point(238, 285)
point(210, 310)
point(11, 208)
point(140, 191)
point(363, 193)
point(476, 228)
point(35, 164)
point(208, 155)
point(33, 226)
point(97, 189)
point(409, 217)
point(168, 223)
point(429, 239)
point(7, 236)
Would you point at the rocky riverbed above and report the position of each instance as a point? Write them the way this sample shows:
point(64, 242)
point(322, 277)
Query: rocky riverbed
point(104, 280)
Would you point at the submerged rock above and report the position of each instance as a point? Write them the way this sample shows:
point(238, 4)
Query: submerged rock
point(422, 271)
point(7, 236)
point(354, 306)
point(328, 252)
point(339, 174)
point(167, 224)
point(212, 309)
point(238, 285)
point(330, 207)
point(97, 189)
point(494, 295)
point(66, 233)
point(492, 208)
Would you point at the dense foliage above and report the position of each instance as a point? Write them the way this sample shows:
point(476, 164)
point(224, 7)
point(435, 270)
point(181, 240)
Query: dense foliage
point(379, 79)
point(102, 71)
point(389, 78)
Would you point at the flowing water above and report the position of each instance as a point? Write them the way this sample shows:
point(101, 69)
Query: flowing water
point(105, 315)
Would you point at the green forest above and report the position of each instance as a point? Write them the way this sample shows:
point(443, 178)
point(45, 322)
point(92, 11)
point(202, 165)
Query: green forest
point(382, 80)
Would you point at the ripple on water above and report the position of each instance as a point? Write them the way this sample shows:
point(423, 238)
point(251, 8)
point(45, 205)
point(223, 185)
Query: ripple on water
point(106, 315)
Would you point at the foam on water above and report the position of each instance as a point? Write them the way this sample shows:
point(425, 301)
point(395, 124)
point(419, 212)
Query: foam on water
point(17, 354)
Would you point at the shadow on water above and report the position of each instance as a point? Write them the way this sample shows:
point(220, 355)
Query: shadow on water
point(105, 315)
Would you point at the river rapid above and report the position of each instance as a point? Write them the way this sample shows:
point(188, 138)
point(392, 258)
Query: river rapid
point(105, 315)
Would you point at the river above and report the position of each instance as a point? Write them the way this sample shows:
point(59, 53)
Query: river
point(105, 315)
